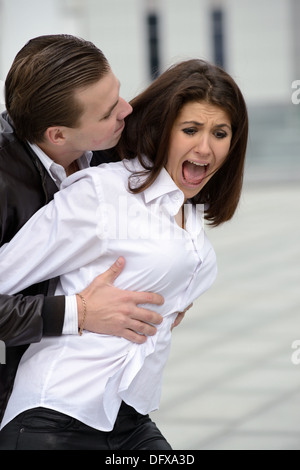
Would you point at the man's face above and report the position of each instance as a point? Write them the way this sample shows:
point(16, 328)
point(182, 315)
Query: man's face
point(102, 122)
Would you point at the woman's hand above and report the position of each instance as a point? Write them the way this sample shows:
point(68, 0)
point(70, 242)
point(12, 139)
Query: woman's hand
point(180, 317)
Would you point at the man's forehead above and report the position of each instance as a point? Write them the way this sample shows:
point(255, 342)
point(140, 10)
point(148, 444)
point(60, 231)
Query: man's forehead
point(104, 93)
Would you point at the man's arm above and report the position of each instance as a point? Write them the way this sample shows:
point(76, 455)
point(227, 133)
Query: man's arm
point(37, 254)
point(25, 319)
point(112, 311)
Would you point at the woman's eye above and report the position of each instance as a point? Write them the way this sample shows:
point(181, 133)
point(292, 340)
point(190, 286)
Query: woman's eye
point(220, 134)
point(190, 131)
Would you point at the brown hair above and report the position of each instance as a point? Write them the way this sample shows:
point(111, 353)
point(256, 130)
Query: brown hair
point(148, 129)
point(40, 86)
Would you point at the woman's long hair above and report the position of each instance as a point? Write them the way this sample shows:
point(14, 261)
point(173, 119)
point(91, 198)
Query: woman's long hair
point(148, 129)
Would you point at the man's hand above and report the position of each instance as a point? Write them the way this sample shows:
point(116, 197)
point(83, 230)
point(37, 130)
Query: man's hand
point(114, 311)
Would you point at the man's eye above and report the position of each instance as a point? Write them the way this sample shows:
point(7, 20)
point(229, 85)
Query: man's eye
point(107, 117)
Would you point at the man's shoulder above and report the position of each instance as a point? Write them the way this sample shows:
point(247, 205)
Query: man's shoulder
point(9, 142)
point(14, 153)
point(7, 132)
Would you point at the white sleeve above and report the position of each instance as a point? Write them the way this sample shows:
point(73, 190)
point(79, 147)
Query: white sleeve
point(70, 326)
point(60, 237)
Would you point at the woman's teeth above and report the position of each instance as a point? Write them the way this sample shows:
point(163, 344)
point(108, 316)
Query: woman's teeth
point(198, 164)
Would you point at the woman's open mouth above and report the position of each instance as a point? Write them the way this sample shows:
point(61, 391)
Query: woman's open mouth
point(193, 173)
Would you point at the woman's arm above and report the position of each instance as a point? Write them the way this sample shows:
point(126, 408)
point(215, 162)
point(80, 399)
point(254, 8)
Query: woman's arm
point(59, 238)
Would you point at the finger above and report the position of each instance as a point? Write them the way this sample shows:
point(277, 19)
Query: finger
point(114, 271)
point(146, 298)
point(144, 315)
point(178, 320)
point(188, 308)
point(142, 328)
point(134, 337)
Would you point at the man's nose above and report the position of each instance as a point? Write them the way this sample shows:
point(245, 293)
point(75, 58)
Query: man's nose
point(124, 109)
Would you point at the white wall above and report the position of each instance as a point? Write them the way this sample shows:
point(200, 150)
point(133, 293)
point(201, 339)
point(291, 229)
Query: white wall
point(259, 35)
point(260, 45)
point(186, 27)
point(22, 20)
point(117, 28)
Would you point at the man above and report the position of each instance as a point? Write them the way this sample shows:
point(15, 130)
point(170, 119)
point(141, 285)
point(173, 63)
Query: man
point(62, 103)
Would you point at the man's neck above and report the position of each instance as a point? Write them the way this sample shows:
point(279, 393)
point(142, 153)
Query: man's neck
point(68, 160)
point(72, 168)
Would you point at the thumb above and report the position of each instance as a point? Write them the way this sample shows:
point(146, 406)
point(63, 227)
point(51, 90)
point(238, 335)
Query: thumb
point(113, 272)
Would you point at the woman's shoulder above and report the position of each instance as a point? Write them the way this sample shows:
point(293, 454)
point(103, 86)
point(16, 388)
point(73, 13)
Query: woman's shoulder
point(106, 174)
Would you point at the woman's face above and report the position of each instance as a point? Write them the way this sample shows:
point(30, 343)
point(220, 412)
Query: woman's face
point(199, 144)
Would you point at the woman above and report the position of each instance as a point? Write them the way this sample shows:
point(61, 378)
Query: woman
point(183, 156)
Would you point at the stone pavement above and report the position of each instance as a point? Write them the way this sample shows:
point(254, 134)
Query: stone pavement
point(231, 383)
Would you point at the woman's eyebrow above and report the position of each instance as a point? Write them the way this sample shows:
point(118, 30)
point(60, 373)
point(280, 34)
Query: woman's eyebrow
point(196, 123)
point(224, 125)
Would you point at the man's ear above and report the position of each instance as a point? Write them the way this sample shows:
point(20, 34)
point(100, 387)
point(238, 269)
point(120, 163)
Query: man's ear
point(55, 135)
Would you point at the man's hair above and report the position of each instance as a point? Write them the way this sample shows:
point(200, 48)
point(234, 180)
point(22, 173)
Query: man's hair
point(148, 130)
point(40, 86)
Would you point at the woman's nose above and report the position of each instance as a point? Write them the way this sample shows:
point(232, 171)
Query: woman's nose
point(202, 147)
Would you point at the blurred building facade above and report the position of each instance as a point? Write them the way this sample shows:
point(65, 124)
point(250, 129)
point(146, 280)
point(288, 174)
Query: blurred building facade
point(256, 41)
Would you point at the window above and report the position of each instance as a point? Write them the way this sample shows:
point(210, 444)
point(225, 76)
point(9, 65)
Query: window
point(218, 37)
point(153, 48)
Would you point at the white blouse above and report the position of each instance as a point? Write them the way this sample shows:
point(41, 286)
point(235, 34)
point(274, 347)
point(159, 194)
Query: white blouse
point(91, 221)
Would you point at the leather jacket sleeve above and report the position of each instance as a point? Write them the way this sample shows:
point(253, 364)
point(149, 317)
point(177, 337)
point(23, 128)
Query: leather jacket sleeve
point(25, 319)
